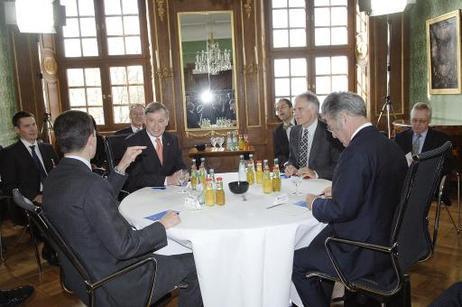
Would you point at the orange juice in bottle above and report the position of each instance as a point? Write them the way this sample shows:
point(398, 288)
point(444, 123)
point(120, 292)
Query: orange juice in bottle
point(209, 193)
point(219, 193)
point(276, 176)
point(259, 173)
point(267, 182)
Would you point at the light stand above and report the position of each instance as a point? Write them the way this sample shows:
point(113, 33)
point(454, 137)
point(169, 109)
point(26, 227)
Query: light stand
point(387, 106)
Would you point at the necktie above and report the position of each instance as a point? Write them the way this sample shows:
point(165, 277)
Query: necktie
point(416, 144)
point(303, 157)
point(287, 126)
point(159, 150)
point(38, 164)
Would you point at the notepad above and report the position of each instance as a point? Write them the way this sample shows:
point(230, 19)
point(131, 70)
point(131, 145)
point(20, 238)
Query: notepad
point(159, 216)
point(300, 203)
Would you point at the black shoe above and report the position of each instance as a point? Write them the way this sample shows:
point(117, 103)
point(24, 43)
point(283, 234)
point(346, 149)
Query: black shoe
point(16, 296)
point(50, 255)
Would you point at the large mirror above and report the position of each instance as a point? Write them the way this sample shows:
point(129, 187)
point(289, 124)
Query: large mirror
point(208, 76)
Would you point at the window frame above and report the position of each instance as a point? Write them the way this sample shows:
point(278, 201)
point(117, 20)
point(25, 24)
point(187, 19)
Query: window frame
point(104, 61)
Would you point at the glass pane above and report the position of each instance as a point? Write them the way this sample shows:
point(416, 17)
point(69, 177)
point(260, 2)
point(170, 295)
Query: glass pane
point(90, 47)
point(323, 66)
point(130, 7)
point(118, 75)
point(282, 87)
point(119, 95)
point(114, 26)
point(321, 99)
point(322, 36)
point(296, 3)
point(339, 2)
point(87, 26)
point(77, 97)
point(339, 65)
point(121, 114)
point(281, 68)
point(71, 29)
point(98, 115)
point(94, 96)
point(71, 7)
point(321, 17)
point(339, 16)
point(92, 77)
point(298, 85)
point(339, 36)
point(72, 47)
point(298, 67)
point(136, 94)
point(75, 77)
point(279, 3)
point(115, 45)
point(135, 75)
point(321, 2)
point(298, 38)
point(280, 38)
point(86, 8)
point(339, 83)
point(133, 45)
point(112, 7)
point(297, 18)
point(131, 25)
point(280, 19)
point(323, 85)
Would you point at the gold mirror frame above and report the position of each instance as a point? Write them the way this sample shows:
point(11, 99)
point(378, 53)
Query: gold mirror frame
point(207, 38)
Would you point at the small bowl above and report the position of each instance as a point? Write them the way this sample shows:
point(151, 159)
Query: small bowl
point(238, 187)
point(200, 147)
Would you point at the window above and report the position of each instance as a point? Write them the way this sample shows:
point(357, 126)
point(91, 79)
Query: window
point(104, 60)
point(311, 46)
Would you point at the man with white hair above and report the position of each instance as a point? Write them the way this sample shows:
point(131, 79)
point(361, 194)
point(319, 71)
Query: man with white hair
point(137, 120)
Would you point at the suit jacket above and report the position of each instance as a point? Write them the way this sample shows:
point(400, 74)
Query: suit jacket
point(147, 171)
point(366, 189)
point(18, 169)
point(83, 208)
point(127, 131)
point(434, 139)
point(324, 153)
point(281, 144)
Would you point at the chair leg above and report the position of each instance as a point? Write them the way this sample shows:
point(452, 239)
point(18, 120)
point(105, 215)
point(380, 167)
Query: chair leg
point(37, 255)
point(61, 281)
point(459, 226)
point(452, 219)
point(1, 249)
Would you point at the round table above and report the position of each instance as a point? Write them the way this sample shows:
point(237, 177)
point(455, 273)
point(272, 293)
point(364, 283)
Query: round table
point(243, 251)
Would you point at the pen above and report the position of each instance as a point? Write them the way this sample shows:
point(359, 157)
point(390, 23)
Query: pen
point(274, 206)
point(159, 188)
point(322, 194)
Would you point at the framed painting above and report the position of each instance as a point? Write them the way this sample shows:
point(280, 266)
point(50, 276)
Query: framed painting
point(443, 50)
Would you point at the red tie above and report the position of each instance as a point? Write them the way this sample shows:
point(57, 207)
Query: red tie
point(159, 150)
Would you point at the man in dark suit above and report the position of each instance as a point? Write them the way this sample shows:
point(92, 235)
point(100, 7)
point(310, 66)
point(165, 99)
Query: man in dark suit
point(421, 138)
point(365, 191)
point(83, 208)
point(25, 164)
point(161, 163)
point(282, 132)
point(313, 152)
point(136, 120)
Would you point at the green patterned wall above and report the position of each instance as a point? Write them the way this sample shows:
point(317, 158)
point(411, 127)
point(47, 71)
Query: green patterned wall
point(7, 91)
point(445, 107)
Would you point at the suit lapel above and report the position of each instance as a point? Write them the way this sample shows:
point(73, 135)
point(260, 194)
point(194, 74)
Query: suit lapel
point(151, 149)
point(428, 144)
point(24, 151)
point(296, 141)
point(315, 142)
point(45, 157)
point(166, 143)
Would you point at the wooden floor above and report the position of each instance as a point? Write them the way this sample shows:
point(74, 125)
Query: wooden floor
point(428, 279)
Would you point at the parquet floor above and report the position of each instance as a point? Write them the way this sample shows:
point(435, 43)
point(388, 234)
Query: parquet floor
point(428, 279)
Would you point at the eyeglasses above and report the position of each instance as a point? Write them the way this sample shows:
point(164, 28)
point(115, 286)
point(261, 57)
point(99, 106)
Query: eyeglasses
point(419, 121)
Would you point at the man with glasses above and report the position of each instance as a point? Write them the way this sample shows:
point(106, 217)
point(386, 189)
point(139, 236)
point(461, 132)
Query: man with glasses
point(420, 138)
point(313, 152)
point(281, 135)
point(359, 206)
point(137, 119)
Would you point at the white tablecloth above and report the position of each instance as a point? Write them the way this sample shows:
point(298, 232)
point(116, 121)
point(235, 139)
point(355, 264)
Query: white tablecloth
point(243, 251)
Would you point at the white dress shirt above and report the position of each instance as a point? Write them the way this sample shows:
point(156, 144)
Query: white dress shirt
point(87, 163)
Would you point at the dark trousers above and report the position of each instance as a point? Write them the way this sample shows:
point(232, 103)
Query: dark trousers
point(451, 297)
point(174, 270)
point(313, 291)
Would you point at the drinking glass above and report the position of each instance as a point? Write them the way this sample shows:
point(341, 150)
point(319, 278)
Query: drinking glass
point(183, 180)
point(213, 141)
point(296, 180)
point(221, 140)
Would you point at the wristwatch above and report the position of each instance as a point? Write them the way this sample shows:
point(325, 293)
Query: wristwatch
point(118, 171)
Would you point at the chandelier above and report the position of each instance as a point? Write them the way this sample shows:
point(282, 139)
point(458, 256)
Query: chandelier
point(213, 60)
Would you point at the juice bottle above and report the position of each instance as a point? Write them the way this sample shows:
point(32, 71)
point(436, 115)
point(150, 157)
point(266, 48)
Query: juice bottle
point(219, 193)
point(267, 182)
point(251, 170)
point(276, 176)
point(259, 173)
point(209, 193)
point(202, 173)
point(193, 175)
point(241, 142)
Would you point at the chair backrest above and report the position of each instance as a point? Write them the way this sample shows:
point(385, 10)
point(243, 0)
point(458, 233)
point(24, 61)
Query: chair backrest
point(411, 225)
point(51, 234)
point(114, 145)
